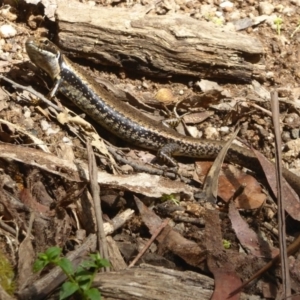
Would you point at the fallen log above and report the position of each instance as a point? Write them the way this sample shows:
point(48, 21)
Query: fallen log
point(158, 46)
point(153, 283)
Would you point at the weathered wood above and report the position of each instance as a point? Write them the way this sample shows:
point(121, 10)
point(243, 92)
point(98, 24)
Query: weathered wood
point(163, 46)
point(153, 283)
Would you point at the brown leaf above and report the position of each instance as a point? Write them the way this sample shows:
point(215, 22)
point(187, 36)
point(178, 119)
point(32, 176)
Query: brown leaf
point(291, 199)
point(230, 179)
point(219, 263)
point(27, 198)
point(247, 237)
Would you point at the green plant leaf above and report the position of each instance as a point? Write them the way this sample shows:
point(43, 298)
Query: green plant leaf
point(66, 266)
point(53, 253)
point(99, 262)
point(68, 289)
point(226, 244)
point(39, 265)
point(93, 294)
point(103, 263)
point(43, 256)
point(87, 264)
point(83, 275)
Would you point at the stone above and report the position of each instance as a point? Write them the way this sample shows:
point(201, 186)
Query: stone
point(265, 8)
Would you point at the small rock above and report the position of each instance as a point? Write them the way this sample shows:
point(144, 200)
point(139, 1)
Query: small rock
point(7, 31)
point(292, 119)
point(284, 92)
point(236, 15)
point(242, 24)
point(226, 5)
point(210, 133)
point(219, 14)
point(207, 10)
point(263, 131)
point(288, 11)
point(8, 13)
point(67, 140)
point(259, 19)
point(35, 21)
point(265, 8)
point(286, 136)
point(145, 85)
point(28, 124)
point(295, 133)
point(296, 2)
point(279, 8)
point(296, 93)
point(229, 27)
point(164, 95)
point(169, 4)
point(189, 4)
point(27, 112)
point(207, 85)
point(194, 132)
point(45, 125)
point(127, 169)
point(197, 16)
point(7, 47)
point(260, 90)
point(224, 129)
point(294, 148)
point(228, 9)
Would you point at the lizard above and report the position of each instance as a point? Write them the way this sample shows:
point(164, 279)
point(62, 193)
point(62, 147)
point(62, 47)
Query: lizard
point(125, 121)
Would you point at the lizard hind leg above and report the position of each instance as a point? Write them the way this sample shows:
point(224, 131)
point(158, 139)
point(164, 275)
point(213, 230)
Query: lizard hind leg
point(165, 154)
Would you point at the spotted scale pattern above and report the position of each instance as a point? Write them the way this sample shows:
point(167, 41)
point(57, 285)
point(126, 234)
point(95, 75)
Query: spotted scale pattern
point(131, 125)
point(120, 118)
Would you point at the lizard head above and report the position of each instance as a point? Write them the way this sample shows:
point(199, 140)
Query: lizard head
point(45, 55)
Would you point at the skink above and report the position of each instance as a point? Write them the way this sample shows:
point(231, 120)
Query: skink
point(127, 122)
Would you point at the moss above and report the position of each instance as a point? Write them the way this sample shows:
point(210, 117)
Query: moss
point(6, 274)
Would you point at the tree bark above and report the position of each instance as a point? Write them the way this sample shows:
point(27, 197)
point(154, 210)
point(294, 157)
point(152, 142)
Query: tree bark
point(159, 46)
point(153, 283)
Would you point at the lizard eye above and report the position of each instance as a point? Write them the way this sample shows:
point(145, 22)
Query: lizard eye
point(46, 42)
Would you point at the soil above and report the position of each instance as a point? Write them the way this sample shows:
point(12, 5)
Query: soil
point(274, 23)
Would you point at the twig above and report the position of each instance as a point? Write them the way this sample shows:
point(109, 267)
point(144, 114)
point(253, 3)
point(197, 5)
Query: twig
point(260, 108)
point(153, 237)
point(286, 283)
point(6, 227)
point(32, 91)
point(142, 168)
point(284, 251)
point(95, 190)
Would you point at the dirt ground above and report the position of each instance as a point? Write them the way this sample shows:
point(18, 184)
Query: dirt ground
point(33, 181)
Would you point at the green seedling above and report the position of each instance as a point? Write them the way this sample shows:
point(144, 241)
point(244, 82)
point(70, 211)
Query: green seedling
point(297, 29)
point(278, 22)
point(79, 279)
point(170, 197)
point(218, 21)
point(226, 244)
